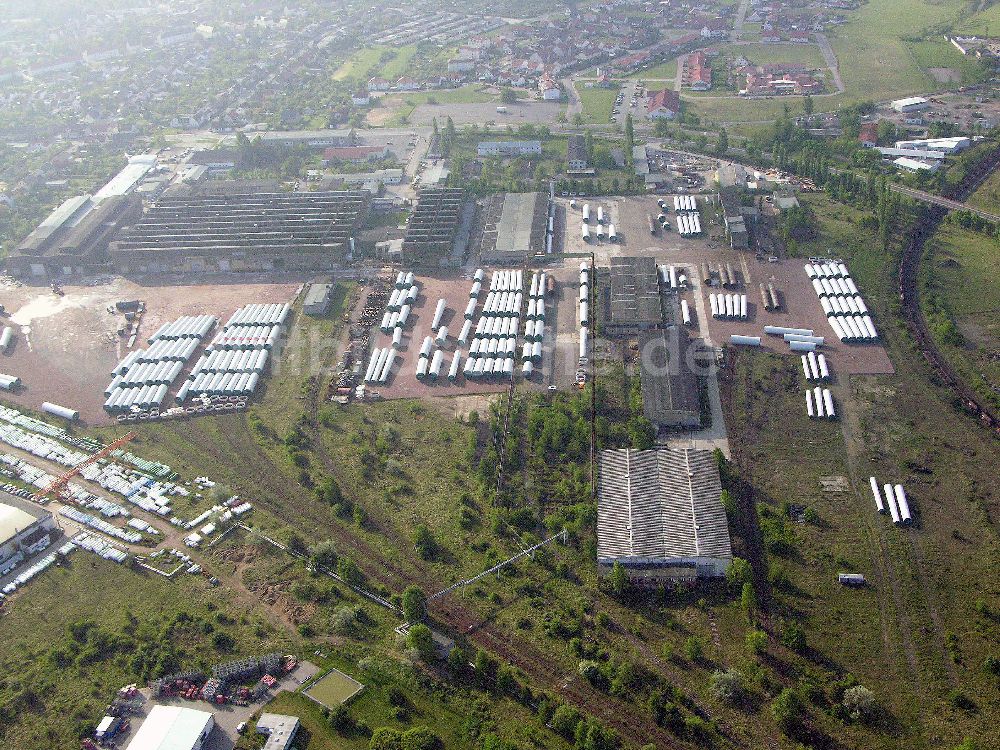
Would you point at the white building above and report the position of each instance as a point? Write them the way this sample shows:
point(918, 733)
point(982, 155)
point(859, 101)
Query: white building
point(173, 728)
point(944, 145)
point(280, 730)
point(509, 148)
point(660, 514)
point(910, 104)
point(24, 531)
point(912, 165)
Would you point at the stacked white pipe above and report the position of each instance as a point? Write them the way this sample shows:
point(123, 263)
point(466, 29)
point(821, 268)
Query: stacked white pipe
point(688, 218)
point(728, 306)
point(237, 358)
point(815, 367)
point(892, 499)
point(494, 338)
point(819, 403)
point(843, 304)
point(140, 381)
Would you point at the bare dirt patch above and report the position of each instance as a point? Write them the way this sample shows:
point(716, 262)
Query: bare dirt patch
point(946, 75)
point(65, 347)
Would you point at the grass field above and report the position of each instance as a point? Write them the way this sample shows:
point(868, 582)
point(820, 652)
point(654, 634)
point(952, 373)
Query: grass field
point(987, 196)
point(403, 104)
point(666, 69)
point(59, 683)
point(762, 54)
point(597, 104)
point(913, 636)
point(961, 275)
point(334, 688)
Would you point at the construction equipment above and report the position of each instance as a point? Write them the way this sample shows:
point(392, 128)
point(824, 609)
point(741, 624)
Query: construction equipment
point(62, 481)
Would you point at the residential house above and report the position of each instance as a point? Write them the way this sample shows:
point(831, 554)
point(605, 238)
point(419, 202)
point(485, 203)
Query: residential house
point(663, 105)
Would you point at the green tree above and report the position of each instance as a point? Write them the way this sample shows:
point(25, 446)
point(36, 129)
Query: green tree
point(414, 604)
point(694, 649)
point(787, 710)
point(420, 738)
point(423, 542)
point(726, 687)
point(350, 572)
point(756, 641)
point(508, 96)
point(722, 144)
point(793, 636)
point(738, 572)
point(860, 703)
point(618, 579)
point(807, 104)
point(386, 738)
point(421, 638)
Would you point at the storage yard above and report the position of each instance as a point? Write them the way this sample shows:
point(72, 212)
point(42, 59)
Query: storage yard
point(81, 326)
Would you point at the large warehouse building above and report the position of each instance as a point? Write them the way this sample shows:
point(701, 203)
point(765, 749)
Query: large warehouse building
point(432, 236)
point(634, 304)
point(520, 231)
point(669, 384)
point(25, 530)
point(173, 728)
point(660, 514)
point(74, 238)
point(242, 232)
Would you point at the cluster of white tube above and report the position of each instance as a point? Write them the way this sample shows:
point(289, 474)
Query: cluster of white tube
point(235, 361)
point(728, 306)
point(672, 276)
point(892, 499)
point(815, 368)
point(6, 337)
point(845, 309)
point(688, 218)
point(819, 403)
point(380, 364)
point(397, 309)
point(798, 339)
point(584, 306)
point(494, 340)
point(141, 380)
point(688, 224)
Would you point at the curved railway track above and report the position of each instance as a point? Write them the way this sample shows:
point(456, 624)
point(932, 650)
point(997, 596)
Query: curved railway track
point(909, 295)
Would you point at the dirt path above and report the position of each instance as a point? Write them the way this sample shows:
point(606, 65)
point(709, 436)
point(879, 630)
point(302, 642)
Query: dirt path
point(883, 569)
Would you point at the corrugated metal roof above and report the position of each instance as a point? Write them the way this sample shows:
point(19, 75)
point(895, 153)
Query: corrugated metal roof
point(660, 504)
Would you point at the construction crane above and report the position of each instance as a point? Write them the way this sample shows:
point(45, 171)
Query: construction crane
point(60, 482)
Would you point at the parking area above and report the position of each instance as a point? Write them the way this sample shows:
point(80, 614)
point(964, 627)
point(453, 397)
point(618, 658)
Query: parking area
point(66, 345)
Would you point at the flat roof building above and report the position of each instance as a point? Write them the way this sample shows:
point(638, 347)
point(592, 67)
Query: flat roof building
point(520, 231)
point(910, 104)
point(309, 138)
point(633, 304)
point(173, 728)
point(668, 380)
point(509, 148)
point(242, 232)
point(660, 514)
point(25, 529)
point(280, 730)
point(317, 301)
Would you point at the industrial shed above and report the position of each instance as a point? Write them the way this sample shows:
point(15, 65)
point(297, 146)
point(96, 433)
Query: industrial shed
point(74, 238)
point(659, 513)
point(634, 303)
point(669, 385)
point(317, 301)
point(520, 231)
point(242, 232)
point(173, 728)
point(24, 531)
point(432, 231)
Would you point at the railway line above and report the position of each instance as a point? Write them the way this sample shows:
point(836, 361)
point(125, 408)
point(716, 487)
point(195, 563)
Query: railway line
point(909, 292)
